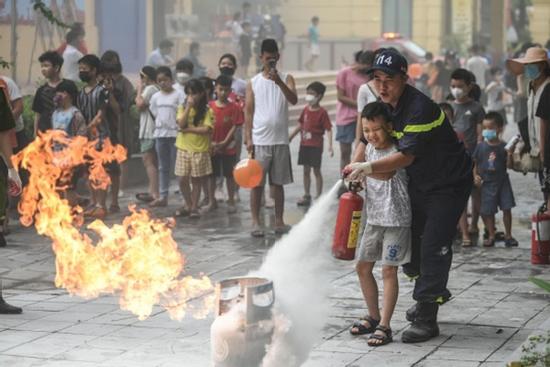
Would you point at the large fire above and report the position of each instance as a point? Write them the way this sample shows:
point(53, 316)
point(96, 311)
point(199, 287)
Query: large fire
point(137, 260)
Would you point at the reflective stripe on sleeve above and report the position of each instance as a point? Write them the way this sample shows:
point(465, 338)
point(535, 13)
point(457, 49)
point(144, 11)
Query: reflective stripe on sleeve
point(423, 128)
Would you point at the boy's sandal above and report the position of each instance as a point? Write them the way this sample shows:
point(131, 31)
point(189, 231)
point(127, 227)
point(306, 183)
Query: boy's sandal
point(499, 236)
point(194, 214)
point(466, 243)
point(359, 327)
point(304, 201)
point(114, 208)
point(282, 230)
point(376, 340)
point(489, 242)
point(258, 233)
point(181, 212)
point(158, 203)
point(144, 197)
point(97, 213)
point(511, 242)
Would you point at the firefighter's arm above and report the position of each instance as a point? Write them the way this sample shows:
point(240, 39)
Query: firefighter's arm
point(387, 164)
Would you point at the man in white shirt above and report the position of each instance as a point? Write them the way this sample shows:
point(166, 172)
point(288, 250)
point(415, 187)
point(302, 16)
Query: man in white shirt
point(479, 66)
point(71, 55)
point(266, 132)
point(161, 55)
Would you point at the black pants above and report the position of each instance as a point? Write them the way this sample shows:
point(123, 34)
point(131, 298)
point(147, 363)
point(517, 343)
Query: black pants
point(435, 218)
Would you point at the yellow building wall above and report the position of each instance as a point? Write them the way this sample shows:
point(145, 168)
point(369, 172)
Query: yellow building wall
point(540, 21)
point(338, 19)
point(427, 24)
point(28, 67)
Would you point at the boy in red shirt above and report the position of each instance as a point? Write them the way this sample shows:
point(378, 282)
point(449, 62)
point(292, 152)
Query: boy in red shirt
point(313, 123)
point(228, 116)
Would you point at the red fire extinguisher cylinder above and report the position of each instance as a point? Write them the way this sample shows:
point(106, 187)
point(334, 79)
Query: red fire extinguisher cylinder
point(348, 224)
point(540, 238)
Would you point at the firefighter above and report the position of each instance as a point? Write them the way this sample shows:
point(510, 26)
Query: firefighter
point(440, 173)
point(11, 177)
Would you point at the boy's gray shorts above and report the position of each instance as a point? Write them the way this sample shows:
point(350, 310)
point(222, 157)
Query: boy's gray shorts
point(275, 160)
point(392, 245)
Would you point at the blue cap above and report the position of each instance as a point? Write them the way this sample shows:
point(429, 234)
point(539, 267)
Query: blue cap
point(390, 62)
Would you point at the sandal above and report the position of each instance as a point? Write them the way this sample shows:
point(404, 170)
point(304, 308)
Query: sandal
point(114, 208)
point(466, 243)
point(489, 242)
point(194, 214)
point(377, 340)
point(144, 197)
point(181, 212)
point(258, 233)
point(361, 328)
point(158, 203)
point(511, 242)
point(97, 213)
point(282, 230)
point(304, 201)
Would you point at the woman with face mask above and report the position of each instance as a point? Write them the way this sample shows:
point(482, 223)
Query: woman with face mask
point(534, 66)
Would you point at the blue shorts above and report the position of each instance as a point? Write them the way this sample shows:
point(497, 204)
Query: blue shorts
point(346, 133)
point(496, 195)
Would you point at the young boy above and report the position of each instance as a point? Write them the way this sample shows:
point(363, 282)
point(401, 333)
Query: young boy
point(227, 116)
point(42, 105)
point(184, 71)
point(100, 109)
point(491, 161)
point(387, 234)
point(313, 123)
point(495, 93)
point(68, 118)
point(467, 122)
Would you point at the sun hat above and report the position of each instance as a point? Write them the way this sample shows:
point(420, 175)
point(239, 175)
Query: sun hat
point(532, 55)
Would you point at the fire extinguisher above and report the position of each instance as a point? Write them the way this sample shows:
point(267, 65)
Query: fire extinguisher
point(540, 237)
point(348, 223)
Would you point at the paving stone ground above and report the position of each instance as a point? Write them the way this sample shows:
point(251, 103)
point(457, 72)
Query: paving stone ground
point(494, 309)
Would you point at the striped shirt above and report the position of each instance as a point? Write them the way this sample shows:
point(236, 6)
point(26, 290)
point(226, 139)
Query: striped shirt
point(89, 103)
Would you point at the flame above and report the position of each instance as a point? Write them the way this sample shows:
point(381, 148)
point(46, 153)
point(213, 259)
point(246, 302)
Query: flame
point(137, 259)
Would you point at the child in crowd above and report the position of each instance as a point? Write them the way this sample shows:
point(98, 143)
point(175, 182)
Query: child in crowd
point(184, 70)
point(468, 116)
point(491, 161)
point(227, 116)
point(313, 123)
point(164, 106)
point(146, 89)
point(387, 234)
point(193, 162)
point(495, 93)
point(68, 118)
point(100, 110)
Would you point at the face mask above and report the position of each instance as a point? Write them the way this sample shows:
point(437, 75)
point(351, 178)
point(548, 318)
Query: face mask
point(57, 100)
point(311, 99)
point(85, 76)
point(458, 93)
point(532, 71)
point(489, 134)
point(182, 77)
point(227, 71)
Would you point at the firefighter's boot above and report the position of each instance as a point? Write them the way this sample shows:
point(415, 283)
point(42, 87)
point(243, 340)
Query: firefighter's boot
point(424, 327)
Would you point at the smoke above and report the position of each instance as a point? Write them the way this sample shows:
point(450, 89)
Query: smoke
point(297, 266)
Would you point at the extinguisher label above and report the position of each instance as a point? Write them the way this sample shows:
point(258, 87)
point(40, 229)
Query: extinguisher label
point(544, 230)
point(354, 229)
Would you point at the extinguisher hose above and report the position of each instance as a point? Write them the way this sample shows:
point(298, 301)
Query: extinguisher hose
point(542, 209)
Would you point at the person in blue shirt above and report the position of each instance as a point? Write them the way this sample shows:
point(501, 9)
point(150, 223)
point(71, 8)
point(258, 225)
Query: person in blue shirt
point(440, 182)
point(314, 49)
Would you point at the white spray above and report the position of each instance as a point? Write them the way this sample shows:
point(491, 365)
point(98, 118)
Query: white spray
point(297, 264)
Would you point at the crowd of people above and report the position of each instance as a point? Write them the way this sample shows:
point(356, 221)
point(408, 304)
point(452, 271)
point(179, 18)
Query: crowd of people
point(422, 152)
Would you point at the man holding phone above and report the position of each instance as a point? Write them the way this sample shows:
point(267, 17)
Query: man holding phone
point(266, 132)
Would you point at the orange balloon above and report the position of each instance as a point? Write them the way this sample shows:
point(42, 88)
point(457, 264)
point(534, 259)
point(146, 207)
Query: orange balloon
point(415, 71)
point(248, 173)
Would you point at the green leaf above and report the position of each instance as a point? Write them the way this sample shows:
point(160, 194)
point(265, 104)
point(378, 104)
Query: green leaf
point(48, 14)
point(541, 283)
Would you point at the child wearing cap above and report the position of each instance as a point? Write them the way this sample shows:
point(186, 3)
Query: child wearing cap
point(312, 124)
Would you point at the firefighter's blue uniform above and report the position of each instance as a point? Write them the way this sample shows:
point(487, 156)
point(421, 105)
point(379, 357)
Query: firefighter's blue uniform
point(439, 187)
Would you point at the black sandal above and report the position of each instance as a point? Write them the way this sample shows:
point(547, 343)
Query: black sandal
point(362, 329)
point(376, 340)
point(181, 212)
